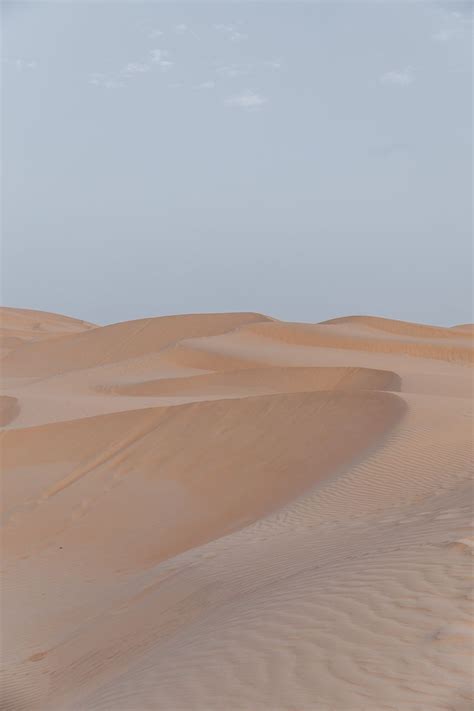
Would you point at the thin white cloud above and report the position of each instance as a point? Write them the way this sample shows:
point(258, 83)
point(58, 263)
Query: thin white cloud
point(224, 28)
point(160, 57)
point(247, 100)
point(132, 70)
point(455, 23)
point(398, 77)
point(459, 9)
point(455, 19)
point(25, 64)
point(104, 81)
point(206, 85)
point(232, 32)
point(445, 35)
point(135, 68)
point(183, 29)
point(154, 33)
point(237, 36)
point(273, 64)
point(233, 70)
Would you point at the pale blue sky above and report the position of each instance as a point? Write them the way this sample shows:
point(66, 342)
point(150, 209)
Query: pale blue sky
point(303, 159)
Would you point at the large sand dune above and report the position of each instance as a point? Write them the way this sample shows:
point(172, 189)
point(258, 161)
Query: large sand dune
point(226, 512)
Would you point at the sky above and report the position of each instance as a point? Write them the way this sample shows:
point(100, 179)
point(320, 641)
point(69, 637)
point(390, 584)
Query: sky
point(306, 160)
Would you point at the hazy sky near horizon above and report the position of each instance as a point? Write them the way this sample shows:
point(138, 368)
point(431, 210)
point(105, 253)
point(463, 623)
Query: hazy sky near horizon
point(302, 159)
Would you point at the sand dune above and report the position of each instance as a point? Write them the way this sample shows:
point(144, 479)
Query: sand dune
point(117, 342)
point(19, 326)
point(223, 511)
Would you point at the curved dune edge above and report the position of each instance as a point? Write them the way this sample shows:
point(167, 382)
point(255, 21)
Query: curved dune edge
point(240, 383)
point(242, 459)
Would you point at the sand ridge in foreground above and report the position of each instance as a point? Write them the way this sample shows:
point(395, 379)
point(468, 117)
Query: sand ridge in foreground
point(225, 511)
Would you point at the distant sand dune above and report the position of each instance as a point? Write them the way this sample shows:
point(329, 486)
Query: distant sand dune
point(19, 326)
point(225, 512)
point(458, 349)
point(401, 328)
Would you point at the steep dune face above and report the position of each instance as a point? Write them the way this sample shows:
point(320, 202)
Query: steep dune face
point(224, 511)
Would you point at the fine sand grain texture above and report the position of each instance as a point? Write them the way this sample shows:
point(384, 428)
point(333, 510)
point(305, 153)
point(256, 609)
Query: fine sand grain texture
point(226, 512)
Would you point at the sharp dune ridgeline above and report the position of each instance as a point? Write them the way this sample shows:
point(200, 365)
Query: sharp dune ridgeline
point(222, 512)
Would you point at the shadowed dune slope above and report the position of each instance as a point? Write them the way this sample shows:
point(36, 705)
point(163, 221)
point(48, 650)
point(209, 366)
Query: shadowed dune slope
point(9, 409)
point(225, 512)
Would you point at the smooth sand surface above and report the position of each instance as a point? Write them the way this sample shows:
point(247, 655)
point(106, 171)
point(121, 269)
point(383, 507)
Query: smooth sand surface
point(221, 512)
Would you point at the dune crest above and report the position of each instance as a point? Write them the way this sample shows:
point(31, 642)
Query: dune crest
point(227, 512)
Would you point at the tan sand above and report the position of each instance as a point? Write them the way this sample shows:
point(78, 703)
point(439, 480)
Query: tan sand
point(223, 511)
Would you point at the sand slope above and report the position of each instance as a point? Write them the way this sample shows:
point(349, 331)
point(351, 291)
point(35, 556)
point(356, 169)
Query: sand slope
point(224, 511)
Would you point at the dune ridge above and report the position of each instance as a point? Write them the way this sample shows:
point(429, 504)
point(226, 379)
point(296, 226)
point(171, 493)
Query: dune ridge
point(222, 512)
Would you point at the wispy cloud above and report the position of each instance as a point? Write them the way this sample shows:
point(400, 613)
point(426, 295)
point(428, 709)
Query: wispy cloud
point(232, 32)
point(398, 77)
point(183, 29)
point(273, 64)
point(247, 100)
point(459, 9)
point(234, 70)
point(160, 57)
point(455, 19)
point(445, 35)
point(104, 81)
point(25, 65)
point(155, 32)
point(206, 85)
point(135, 68)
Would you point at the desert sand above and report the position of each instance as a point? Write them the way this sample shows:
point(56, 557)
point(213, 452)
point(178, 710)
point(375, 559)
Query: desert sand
point(224, 512)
